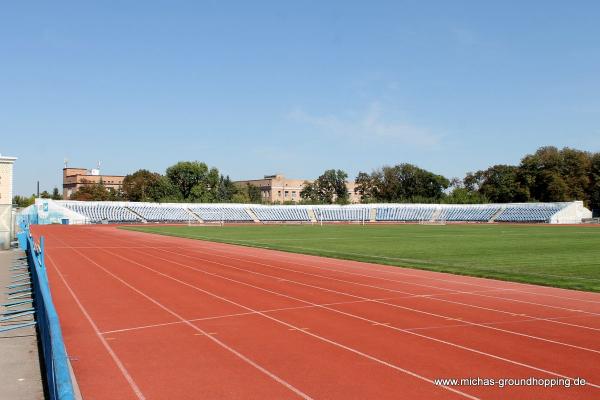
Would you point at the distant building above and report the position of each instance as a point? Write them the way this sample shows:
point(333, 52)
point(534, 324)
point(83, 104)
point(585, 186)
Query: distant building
point(278, 189)
point(74, 178)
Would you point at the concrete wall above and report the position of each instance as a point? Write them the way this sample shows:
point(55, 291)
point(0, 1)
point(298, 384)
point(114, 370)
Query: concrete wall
point(53, 212)
point(571, 214)
point(6, 195)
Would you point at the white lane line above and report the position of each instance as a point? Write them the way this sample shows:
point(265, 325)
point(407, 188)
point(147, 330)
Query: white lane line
point(394, 280)
point(432, 297)
point(110, 351)
point(336, 262)
point(193, 246)
point(135, 328)
point(377, 360)
point(386, 303)
point(334, 310)
point(208, 335)
point(211, 337)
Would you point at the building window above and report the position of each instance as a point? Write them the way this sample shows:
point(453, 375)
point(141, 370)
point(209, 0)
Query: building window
point(286, 193)
point(279, 193)
point(294, 194)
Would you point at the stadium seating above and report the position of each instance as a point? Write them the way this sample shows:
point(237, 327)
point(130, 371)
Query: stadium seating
point(159, 213)
point(528, 212)
point(405, 212)
point(221, 213)
point(281, 213)
point(134, 212)
point(103, 212)
point(342, 213)
point(468, 213)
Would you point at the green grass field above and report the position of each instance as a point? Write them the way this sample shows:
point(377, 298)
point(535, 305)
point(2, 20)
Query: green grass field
point(562, 256)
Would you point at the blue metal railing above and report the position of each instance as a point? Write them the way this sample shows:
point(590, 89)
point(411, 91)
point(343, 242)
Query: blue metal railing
point(56, 363)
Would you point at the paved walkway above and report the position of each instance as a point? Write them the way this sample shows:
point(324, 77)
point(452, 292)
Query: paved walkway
point(20, 377)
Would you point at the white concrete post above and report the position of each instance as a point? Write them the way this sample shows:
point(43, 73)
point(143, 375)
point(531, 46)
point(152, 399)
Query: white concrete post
point(6, 195)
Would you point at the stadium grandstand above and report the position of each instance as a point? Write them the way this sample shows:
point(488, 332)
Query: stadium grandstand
point(46, 211)
point(281, 213)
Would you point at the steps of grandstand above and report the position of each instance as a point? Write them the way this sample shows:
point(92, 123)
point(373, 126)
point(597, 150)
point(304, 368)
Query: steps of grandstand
point(252, 215)
point(311, 215)
point(194, 216)
point(373, 215)
point(436, 215)
point(496, 214)
point(133, 211)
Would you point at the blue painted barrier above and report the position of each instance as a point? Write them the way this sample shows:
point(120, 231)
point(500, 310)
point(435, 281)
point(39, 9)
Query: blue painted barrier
point(58, 376)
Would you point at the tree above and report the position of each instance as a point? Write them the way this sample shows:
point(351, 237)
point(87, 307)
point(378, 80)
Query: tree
point(407, 182)
point(332, 186)
point(96, 192)
point(136, 186)
point(498, 184)
point(366, 187)
point(328, 188)
point(594, 189)
point(551, 174)
point(164, 191)
point(310, 194)
point(23, 201)
point(247, 193)
point(473, 181)
point(254, 194)
point(461, 194)
point(401, 183)
point(144, 185)
point(56, 194)
point(185, 175)
point(45, 195)
point(226, 190)
point(575, 172)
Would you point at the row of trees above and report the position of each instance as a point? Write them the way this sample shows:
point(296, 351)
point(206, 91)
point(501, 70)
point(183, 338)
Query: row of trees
point(24, 201)
point(401, 183)
point(548, 175)
point(186, 181)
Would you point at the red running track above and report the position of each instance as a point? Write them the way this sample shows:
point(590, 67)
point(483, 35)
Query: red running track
point(155, 317)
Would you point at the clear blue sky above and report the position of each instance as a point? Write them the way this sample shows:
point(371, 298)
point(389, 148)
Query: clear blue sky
point(294, 87)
